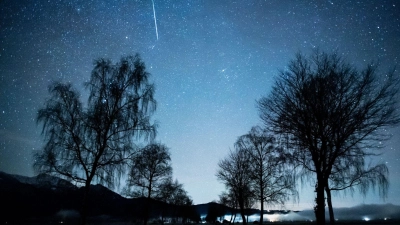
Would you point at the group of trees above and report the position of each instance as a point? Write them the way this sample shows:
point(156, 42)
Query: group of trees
point(322, 121)
point(327, 120)
point(96, 143)
point(151, 177)
point(256, 171)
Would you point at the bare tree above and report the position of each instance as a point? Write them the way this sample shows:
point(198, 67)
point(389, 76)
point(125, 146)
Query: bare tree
point(93, 143)
point(327, 111)
point(151, 167)
point(234, 171)
point(273, 182)
point(173, 193)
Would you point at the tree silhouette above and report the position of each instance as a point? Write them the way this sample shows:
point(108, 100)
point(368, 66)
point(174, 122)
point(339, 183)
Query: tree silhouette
point(350, 173)
point(92, 143)
point(327, 111)
point(173, 193)
point(235, 172)
point(214, 212)
point(249, 200)
point(272, 181)
point(151, 167)
point(229, 199)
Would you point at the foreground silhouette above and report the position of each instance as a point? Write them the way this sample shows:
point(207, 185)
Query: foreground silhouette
point(93, 142)
point(330, 115)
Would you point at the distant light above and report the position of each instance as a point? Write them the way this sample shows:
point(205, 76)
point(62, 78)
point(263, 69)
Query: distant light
point(366, 219)
point(273, 217)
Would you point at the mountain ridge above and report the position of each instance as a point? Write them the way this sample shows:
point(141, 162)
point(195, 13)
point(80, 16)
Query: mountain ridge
point(44, 198)
point(50, 198)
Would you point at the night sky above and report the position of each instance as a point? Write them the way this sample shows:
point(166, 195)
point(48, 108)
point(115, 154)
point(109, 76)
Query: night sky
point(210, 61)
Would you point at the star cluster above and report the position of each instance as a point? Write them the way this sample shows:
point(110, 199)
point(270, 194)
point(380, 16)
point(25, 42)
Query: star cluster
point(211, 61)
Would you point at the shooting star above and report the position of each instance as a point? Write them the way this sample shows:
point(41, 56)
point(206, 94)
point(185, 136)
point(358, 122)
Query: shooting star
point(155, 20)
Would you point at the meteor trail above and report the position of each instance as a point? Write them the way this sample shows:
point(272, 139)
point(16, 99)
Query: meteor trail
point(155, 20)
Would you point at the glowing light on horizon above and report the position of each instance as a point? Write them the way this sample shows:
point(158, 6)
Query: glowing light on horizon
point(366, 218)
point(272, 217)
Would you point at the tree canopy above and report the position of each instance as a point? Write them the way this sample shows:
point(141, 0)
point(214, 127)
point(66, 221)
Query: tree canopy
point(93, 143)
point(150, 169)
point(272, 179)
point(327, 112)
point(235, 172)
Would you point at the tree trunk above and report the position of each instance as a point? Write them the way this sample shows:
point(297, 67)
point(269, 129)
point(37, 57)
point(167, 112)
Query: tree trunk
point(85, 203)
point(162, 215)
point(242, 212)
point(329, 200)
point(319, 209)
point(243, 216)
point(262, 206)
point(147, 204)
point(146, 211)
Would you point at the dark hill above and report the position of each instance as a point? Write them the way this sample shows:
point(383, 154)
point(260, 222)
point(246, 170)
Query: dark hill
point(44, 198)
point(49, 199)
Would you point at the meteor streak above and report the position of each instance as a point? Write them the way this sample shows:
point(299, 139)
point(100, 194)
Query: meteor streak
point(155, 20)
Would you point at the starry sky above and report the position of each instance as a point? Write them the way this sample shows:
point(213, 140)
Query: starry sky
point(210, 61)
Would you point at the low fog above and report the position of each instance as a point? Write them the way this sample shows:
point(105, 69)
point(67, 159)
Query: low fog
point(361, 212)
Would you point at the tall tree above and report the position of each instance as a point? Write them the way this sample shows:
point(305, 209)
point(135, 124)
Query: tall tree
point(150, 169)
point(273, 182)
point(92, 143)
point(234, 171)
point(327, 110)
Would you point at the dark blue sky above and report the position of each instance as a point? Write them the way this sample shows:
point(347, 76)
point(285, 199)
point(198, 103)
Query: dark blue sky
point(211, 62)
